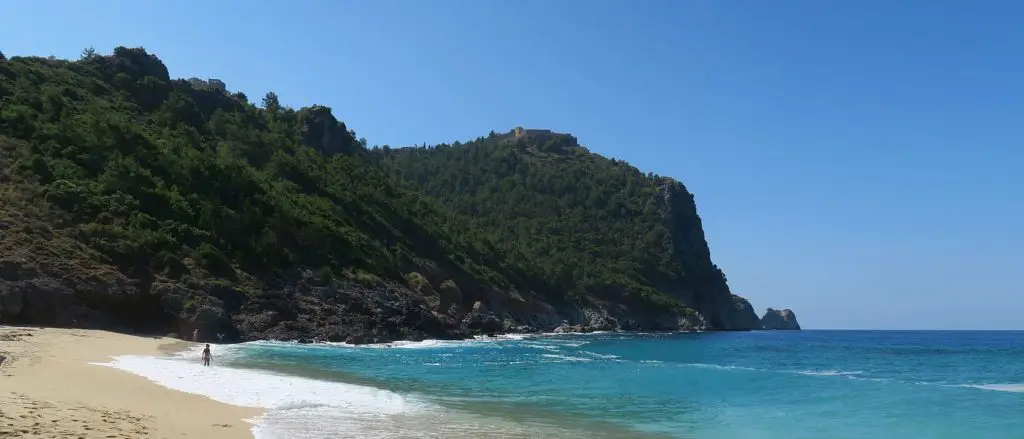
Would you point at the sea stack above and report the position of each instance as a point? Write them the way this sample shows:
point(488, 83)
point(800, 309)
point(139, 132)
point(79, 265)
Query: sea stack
point(783, 319)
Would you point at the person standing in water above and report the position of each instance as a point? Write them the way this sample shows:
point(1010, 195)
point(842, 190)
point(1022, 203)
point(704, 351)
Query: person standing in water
point(206, 355)
point(195, 335)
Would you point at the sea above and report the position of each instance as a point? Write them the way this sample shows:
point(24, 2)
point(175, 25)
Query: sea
point(716, 385)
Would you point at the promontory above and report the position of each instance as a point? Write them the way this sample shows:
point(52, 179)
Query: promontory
point(139, 202)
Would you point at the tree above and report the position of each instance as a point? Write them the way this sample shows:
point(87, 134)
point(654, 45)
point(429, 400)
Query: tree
point(271, 103)
point(88, 53)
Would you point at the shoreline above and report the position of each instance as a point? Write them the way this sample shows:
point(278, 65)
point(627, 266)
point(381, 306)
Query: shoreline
point(498, 335)
point(54, 384)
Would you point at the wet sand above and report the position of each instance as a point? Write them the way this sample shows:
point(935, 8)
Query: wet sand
point(49, 389)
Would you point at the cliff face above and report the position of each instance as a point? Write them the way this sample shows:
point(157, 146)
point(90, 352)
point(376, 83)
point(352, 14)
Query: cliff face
point(620, 238)
point(136, 202)
point(705, 284)
point(742, 314)
point(784, 319)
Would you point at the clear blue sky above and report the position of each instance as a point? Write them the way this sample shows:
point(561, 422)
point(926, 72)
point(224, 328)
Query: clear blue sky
point(861, 162)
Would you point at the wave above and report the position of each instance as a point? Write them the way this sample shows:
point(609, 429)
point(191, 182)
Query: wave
point(724, 367)
point(546, 341)
point(828, 373)
point(854, 375)
point(543, 346)
point(602, 356)
point(296, 400)
point(1013, 388)
point(310, 408)
point(566, 358)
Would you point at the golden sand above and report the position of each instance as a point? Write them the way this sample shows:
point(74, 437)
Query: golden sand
point(49, 389)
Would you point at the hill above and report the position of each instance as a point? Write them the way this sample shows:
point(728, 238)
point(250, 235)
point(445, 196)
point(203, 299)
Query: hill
point(599, 228)
point(138, 202)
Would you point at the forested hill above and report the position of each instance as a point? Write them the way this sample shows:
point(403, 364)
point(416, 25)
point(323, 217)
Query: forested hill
point(599, 227)
point(132, 200)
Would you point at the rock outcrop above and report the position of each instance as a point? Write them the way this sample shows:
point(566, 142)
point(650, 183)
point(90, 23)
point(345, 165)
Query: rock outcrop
point(304, 309)
point(741, 314)
point(323, 132)
point(782, 319)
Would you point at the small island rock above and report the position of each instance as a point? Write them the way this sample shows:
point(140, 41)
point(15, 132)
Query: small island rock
point(780, 319)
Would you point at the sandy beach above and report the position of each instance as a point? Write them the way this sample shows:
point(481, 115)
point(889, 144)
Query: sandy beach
point(49, 389)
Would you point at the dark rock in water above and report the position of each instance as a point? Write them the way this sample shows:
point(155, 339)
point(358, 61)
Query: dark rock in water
point(482, 320)
point(783, 319)
point(574, 329)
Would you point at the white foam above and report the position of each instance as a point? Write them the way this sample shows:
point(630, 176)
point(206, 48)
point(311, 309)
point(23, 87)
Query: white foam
point(505, 337)
point(562, 358)
point(1015, 388)
point(293, 404)
point(828, 373)
point(251, 388)
point(605, 356)
point(423, 344)
point(546, 347)
point(721, 367)
point(548, 337)
point(303, 408)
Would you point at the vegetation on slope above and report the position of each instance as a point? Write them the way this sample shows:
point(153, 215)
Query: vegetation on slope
point(153, 171)
point(608, 230)
point(110, 166)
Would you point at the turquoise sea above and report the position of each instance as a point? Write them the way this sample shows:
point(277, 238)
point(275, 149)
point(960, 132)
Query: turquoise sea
point(752, 385)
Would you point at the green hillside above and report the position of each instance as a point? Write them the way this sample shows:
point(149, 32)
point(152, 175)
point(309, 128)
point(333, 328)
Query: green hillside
point(138, 201)
point(599, 228)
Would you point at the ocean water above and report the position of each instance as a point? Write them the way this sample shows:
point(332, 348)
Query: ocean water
point(754, 385)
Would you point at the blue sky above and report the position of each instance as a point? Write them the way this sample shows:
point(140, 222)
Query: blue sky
point(857, 161)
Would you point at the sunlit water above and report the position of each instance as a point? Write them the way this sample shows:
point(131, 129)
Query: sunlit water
point(764, 385)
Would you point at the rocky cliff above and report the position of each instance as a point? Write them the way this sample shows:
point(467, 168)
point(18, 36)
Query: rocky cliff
point(132, 201)
point(612, 233)
point(780, 319)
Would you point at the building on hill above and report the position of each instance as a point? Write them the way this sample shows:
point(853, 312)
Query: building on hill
point(215, 84)
point(521, 133)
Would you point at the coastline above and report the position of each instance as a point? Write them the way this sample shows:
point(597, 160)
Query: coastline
point(52, 387)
